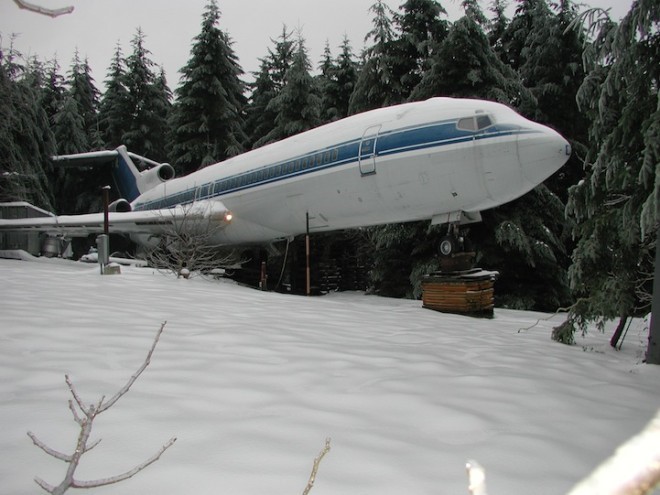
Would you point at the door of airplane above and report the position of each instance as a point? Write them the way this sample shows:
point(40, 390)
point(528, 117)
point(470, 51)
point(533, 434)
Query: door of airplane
point(367, 152)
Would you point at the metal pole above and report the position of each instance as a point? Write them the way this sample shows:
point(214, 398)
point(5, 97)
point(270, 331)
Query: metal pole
point(106, 201)
point(309, 278)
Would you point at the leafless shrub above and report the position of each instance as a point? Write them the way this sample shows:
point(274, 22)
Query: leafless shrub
point(186, 246)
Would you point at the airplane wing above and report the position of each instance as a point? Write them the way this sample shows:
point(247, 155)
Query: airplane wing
point(152, 222)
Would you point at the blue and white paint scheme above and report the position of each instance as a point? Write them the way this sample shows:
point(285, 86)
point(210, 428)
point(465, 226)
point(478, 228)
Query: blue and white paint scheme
point(443, 160)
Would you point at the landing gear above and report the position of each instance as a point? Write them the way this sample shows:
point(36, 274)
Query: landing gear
point(448, 245)
point(454, 242)
point(455, 251)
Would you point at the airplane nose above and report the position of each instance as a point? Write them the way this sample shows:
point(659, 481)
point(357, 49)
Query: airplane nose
point(541, 151)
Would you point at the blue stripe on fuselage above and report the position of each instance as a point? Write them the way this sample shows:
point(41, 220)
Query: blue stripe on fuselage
point(388, 143)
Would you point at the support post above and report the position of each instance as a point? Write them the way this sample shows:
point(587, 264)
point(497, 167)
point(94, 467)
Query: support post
point(106, 203)
point(103, 251)
point(653, 349)
point(263, 278)
point(308, 288)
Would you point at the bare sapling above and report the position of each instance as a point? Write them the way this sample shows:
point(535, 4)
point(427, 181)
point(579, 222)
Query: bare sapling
point(186, 245)
point(85, 414)
point(22, 4)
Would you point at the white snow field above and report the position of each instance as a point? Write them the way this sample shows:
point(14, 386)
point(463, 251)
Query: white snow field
point(251, 383)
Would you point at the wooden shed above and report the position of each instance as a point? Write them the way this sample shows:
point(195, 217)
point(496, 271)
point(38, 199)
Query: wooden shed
point(469, 292)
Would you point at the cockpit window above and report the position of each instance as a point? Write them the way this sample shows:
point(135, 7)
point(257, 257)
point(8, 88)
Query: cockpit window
point(483, 121)
point(467, 124)
point(474, 123)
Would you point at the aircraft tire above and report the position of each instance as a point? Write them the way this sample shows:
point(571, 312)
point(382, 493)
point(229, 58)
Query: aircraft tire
point(448, 246)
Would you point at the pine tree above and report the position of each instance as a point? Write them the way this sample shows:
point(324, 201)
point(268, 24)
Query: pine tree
point(337, 82)
point(526, 242)
point(268, 85)
point(207, 117)
point(401, 254)
point(82, 89)
point(161, 105)
point(147, 113)
point(26, 142)
point(345, 79)
point(297, 107)
point(376, 85)
point(420, 32)
point(519, 29)
point(324, 82)
point(52, 95)
point(76, 190)
point(498, 26)
point(615, 207)
point(549, 62)
point(113, 108)
point(69, 128)
point(260, 121)
point(466, 66)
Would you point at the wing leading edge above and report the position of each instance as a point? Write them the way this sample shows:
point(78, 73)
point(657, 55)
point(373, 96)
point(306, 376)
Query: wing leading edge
point(152, 222)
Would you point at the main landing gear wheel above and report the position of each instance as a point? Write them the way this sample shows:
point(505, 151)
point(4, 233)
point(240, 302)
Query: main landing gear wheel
point(454, 252)
point(448, 246)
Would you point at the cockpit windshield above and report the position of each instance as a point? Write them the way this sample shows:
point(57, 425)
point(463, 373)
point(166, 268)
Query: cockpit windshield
point(475, 123)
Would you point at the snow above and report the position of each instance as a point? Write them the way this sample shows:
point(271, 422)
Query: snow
point(251, 383)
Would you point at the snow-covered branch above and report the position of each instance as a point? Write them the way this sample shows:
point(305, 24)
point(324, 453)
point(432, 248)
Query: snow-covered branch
point(48, 450)
point(476, 478)
point(85, 415)
point(634, 469)
point(127, 474)
point(136, 375)
point(315, 467)
point(22, 4)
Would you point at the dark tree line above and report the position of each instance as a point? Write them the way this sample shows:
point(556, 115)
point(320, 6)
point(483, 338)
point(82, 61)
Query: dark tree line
point(587, 235)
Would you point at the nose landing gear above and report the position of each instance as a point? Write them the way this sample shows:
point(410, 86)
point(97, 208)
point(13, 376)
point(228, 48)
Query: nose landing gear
point(455, 251)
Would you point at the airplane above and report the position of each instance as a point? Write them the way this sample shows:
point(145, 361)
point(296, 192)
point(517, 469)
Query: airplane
point(443, 159)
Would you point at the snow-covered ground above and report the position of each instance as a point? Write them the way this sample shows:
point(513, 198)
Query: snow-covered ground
point(251, 384)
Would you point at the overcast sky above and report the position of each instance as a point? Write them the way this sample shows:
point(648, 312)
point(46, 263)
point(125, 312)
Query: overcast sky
point(97, 26)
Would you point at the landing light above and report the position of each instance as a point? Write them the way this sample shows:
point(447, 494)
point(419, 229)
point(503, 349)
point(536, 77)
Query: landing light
point(228, 217)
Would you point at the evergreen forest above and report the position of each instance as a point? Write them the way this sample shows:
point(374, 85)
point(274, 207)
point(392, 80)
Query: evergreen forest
point(584, 240)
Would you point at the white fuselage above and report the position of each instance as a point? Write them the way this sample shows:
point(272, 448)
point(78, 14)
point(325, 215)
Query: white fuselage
point(425, 160)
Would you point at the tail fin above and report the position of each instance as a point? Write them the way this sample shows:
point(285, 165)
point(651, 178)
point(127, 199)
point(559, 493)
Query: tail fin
point(131, 179)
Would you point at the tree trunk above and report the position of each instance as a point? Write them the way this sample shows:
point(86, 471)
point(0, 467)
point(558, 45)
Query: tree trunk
point(653, 350)
point(614, 341)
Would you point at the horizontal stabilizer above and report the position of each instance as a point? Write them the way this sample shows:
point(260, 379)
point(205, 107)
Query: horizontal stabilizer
point(87, 159)
point(133, 174)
